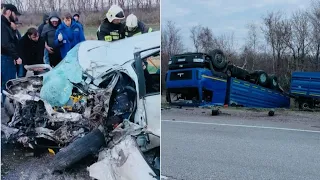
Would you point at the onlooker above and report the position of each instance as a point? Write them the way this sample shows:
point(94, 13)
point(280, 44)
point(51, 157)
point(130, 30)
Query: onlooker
point(9, 53)
point(45, 20)
point(21, 72)
point(48, 34)
point(135, 27)
point(111, 29)
point(68, 34)
point(40, 28)
point(76, 18)
point(31, 48)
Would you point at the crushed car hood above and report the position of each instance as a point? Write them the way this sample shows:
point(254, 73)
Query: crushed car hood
point(96, 57)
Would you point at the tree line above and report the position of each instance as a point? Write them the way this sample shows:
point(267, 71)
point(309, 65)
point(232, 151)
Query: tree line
point(91, 11)
point(279, 45)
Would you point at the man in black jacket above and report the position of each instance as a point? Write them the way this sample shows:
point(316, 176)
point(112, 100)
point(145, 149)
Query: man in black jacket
point(31, 48)
point(111, 29)
point(9, 52)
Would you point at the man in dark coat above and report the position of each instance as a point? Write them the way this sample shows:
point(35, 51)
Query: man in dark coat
point(9, 52)
point(48, 34)
point(31, 48)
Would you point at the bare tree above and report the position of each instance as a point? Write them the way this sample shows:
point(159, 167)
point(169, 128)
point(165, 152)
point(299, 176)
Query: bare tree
point(276, 31)
point(171, 44)
point(314, 17)
point(195, 33)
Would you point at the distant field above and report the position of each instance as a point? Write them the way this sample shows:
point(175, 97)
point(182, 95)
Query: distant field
point(89, 31)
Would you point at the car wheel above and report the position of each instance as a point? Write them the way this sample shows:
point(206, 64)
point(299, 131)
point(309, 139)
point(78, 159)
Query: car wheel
point(79, 149)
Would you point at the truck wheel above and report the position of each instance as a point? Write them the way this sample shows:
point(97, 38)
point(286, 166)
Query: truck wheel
point(304, 106)
point(79, 149)
point(273, 82)
point(262, 79)
point(218, 59)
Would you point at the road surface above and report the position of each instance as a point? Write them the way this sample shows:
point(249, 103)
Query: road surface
point(239, 145)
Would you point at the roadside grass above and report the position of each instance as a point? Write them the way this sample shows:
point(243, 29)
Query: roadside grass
point(90, 32)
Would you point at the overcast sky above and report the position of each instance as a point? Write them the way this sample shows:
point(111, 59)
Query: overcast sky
point(223, 16)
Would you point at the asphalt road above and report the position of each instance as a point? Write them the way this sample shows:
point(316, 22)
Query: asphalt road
point(199, 146)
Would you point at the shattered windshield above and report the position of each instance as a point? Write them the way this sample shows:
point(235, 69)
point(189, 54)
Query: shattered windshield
point(57, 83)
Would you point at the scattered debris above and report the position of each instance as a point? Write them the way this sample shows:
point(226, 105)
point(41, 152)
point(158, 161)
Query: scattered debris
point(215, 112)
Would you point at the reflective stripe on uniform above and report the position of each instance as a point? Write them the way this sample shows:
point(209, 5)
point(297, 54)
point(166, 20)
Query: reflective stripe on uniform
point(150, 29)
point(108, 38)
point(114, 34)
point(137, 33)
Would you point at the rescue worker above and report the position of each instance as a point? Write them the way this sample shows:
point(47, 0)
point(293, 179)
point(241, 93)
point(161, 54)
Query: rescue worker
point(68, 34)
point(135, 27)
point(9, 51)
point(111, 29)
point(48, 34)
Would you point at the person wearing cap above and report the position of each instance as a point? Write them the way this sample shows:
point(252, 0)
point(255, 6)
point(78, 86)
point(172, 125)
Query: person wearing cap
point(135, 27)
point(21, 71)
point(76, 18)
point(48, 34)
point(68, 34)
point(111, 29)
point(31, 48)
point(9, 52)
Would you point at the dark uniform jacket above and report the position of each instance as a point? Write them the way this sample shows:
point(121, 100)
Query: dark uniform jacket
point(141, 29)
point(110, 32)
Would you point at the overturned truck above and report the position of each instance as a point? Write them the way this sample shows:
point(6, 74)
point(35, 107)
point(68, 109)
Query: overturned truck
point(199, 79)
point(99, 100)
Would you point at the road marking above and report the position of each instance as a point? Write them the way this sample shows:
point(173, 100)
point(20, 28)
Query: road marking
point(239, 125)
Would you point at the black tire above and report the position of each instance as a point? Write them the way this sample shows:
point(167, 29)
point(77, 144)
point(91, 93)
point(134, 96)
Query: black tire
point(304, 105)
point(263, 79)
point(273, 82)
point(8, 107)
point(218, 59)
point(260, 77)
point(79, 149)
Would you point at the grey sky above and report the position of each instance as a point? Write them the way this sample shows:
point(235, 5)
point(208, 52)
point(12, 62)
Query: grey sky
point(224, 16)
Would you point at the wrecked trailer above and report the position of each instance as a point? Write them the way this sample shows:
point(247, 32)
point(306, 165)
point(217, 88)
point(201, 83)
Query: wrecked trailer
point(100, 93)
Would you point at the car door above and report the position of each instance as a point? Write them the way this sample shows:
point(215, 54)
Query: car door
point(150, 92)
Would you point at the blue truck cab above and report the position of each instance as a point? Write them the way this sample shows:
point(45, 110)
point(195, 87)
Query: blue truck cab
point(305, 87)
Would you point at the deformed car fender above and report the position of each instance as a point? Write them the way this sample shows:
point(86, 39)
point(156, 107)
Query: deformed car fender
point(122, 162)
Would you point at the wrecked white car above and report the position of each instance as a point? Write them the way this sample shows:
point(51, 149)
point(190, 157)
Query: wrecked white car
point(103, 99)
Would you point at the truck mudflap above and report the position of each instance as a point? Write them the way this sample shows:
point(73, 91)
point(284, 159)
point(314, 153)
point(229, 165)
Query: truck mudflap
point(124, 161)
